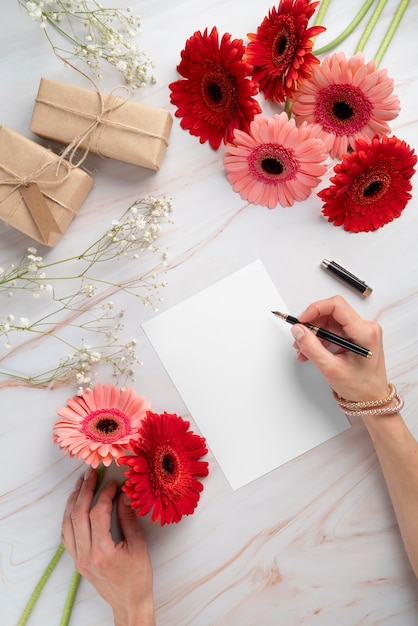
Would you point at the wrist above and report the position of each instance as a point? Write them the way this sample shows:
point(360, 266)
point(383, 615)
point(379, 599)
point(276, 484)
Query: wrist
point(142, 615)
point(390, 404)
point(375, 423)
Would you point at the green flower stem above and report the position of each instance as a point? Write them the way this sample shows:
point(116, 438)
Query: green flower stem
point(100, 475)
point(347, 31)
point(321, 12)
point(69, 602)
point(403, 5)
point(371, 24)
point(75, 580)
point(41, 584)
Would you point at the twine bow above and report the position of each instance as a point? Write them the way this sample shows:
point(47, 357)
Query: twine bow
point(98, 120)
point(33, 197)
point(107, 104)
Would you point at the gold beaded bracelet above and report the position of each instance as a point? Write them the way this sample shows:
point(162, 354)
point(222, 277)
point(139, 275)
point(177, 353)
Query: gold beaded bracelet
point(347, 404)
point(360, 409)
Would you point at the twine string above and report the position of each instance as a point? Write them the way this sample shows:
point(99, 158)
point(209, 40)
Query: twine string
point(107, 104)
point(16, 182)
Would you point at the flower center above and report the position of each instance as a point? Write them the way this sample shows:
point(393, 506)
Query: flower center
point(285, 43)
point(342, 109)
point(168, 463)
point(272, 166)
point(166, 468)
point(106, 425)
point(217, 92)
point(271, 163)
point(370, 186)
point(281, 44)
point(373, 188)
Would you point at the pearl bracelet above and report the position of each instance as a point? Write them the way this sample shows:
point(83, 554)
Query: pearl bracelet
point(360, 409)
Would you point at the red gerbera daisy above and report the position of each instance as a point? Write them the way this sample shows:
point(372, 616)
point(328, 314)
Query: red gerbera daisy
point(345, 100)
point(281, 49)
point(215, 96)
point(164, 468)
point(97, 426)
point(371, 186)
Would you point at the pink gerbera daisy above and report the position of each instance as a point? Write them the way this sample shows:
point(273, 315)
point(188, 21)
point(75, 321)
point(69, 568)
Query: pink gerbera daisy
point(346, 100)
point(98, 425)
point(276, 163)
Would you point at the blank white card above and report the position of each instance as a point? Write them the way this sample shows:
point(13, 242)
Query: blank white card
point(233, 364)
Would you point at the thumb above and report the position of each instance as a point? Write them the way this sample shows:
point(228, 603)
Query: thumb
point(312, 348)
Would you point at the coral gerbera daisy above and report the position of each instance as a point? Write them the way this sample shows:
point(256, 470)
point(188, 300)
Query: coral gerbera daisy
point(371, 185)
point(164, 468)
point(281, 49)
point(215, 96)
point(346, 99)
point(98, 425)
point(276, 163)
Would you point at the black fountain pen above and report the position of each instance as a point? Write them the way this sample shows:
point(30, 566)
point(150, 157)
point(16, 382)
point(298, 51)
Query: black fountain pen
point(327, 335)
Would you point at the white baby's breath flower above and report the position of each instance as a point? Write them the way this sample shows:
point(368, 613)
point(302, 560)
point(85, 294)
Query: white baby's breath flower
point(34, 10)
point(89, 290)
point(137, 232)
point(95, 32)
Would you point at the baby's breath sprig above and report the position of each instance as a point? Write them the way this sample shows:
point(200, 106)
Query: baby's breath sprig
point(96, 34)
point(78, 291)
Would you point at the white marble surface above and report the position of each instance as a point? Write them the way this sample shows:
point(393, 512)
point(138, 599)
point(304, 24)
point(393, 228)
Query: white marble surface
point(314, 542)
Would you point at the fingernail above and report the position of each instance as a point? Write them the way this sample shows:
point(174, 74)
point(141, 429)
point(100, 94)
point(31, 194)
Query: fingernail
point(297, 332)
point(126, 500)
point(88, 473)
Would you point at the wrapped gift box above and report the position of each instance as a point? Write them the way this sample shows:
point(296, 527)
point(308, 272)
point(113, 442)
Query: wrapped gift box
point(106, 124)
point(39, 193)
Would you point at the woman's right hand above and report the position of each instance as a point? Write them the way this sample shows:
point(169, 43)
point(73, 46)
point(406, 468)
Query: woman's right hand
point(122, 572)
point(351, 376)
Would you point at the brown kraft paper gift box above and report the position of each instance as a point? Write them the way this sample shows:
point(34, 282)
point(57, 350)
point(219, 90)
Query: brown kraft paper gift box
point(39, 193)
point(106, 124)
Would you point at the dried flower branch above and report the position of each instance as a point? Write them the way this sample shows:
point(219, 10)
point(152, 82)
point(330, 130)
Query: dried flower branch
point(96, 34)
point(85, 308)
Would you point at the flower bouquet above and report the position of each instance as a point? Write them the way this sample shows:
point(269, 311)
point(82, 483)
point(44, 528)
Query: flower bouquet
point(337, 108)
point(162, 456)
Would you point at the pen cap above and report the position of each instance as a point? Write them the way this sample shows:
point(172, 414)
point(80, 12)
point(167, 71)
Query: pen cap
point(347, 277)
